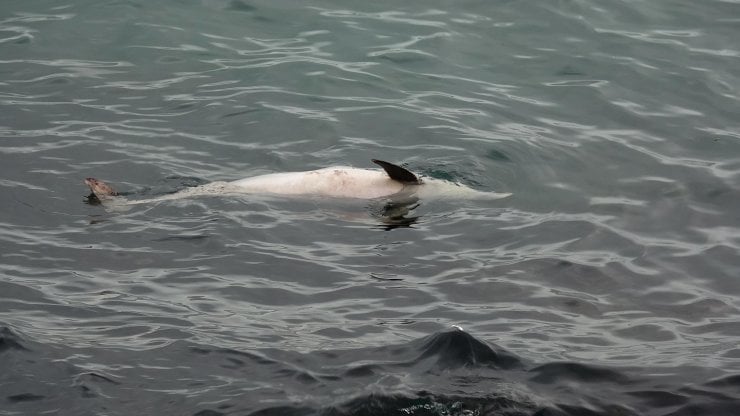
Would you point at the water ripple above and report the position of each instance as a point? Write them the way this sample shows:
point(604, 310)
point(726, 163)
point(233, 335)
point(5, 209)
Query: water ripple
point(388, 17)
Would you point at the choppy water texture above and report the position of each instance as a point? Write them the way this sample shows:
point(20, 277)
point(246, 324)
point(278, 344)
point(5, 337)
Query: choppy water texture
point(608, 284)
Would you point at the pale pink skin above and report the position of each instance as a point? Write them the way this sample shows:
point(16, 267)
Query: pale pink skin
point(338, 182)
point(335, 182)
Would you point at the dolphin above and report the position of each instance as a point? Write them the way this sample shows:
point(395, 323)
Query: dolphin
point(392, 181)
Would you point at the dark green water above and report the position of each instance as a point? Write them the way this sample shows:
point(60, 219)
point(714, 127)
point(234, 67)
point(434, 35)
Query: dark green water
point(608, 283)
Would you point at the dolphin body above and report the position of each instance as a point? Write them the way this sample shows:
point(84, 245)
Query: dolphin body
point(392, 182)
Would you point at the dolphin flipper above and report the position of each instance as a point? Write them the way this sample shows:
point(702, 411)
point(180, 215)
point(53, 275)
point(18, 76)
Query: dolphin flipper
point(397, 173)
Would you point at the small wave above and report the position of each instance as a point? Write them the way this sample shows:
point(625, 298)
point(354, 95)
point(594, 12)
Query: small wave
point(9, 340)
point(444, 374)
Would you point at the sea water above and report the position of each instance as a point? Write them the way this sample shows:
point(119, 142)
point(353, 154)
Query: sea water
point(608, 283)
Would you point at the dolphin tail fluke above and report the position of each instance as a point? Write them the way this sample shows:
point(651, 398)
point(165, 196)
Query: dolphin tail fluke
point(397, 173)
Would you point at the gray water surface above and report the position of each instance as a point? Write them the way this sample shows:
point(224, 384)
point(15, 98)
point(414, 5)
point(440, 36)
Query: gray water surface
point(614, 124)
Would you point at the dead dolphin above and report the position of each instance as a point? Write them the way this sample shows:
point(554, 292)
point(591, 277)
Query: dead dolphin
point(337, 182)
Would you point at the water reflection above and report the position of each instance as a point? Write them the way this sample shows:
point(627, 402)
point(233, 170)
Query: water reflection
point(394, 214)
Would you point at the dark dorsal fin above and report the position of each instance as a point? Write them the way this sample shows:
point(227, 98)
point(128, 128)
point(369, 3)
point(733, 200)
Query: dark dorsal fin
point(397, 173)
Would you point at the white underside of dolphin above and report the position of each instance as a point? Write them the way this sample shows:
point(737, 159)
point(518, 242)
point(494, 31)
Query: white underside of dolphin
point(336, 182)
